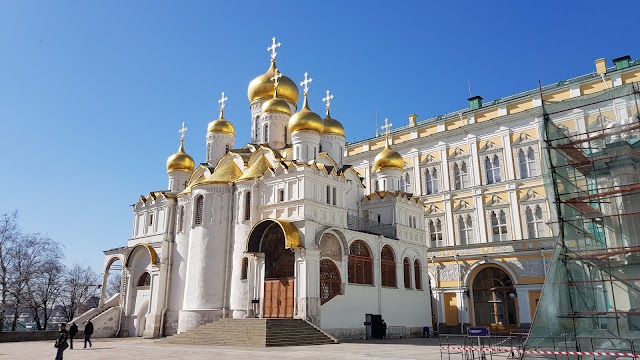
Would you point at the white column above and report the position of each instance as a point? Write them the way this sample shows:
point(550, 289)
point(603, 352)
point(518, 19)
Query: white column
point(449, 220)
point(508, 157)
point(445, 181)
point(516, 222)
point(475, 161)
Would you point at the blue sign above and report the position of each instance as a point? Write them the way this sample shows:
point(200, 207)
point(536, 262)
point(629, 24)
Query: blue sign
point(478, 331)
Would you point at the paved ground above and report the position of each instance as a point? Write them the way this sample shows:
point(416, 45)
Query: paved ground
point(140, 349)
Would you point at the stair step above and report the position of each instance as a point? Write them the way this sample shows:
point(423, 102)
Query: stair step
point(253, 333)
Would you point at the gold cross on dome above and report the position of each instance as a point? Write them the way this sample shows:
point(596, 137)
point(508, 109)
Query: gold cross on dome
point(182, 131)
point(273, 48)
point(276, 79)
point(386, 127)
point(306, 83)
point(327, 100)
point(222, 100)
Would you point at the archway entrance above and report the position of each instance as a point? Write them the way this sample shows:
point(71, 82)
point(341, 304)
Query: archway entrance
point(279, 278)
point(494, 300)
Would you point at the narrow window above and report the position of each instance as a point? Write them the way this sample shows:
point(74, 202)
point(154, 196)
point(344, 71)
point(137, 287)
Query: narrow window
point(379, 219)
point(465, 229)
point(281, 195)
point(406, 266)
point(388, 267)
point(245, 268)
point(535, 222)
point(247, 206)
point(150, 219)
point(524, 165)
point(335, 196)
point(285, 135)
point(197, 219)
point(226, 149)
point(418, 274)
point(432, 180)
point(499, 225)
point(181, 219)
point(328, 194)
point(266, 134)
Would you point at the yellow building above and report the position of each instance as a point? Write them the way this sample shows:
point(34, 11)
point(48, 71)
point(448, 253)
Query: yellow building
point(479, 174)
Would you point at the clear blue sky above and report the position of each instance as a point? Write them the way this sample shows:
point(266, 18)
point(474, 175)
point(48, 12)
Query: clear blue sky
point(92, 94)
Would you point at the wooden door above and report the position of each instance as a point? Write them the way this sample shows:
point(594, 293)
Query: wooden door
point(278, 298)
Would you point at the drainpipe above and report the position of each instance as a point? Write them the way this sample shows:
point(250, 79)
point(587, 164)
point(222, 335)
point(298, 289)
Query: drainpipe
point(227, 280)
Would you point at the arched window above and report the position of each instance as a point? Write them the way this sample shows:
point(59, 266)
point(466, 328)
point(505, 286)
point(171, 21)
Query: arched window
point(435, 232)
point(360, 264)
point(432, 181)
point(245, 268)
point(499, 225)
point(181, 219)
point(494, 300)
point(197, 218)
point(144, 279)
point(330, 283)
point(465, 229)
point(247, 206)
point(535, 222)
point(460, 175)
point(406, 183)
point(266, 133)
point(527, 162)
point(226, 149)
point(388, 266)
point(406, 266)
point(256, 128)
point(417, 274)
point(492, 169)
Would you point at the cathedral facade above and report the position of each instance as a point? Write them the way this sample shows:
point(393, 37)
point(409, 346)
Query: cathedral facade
point(278, 228)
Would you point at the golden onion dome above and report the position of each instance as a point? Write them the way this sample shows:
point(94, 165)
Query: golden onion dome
point(306, 120)
point(388, 159)
point(262, 87)
point(221, 125)
point(276, 104)
point(180, 161)
point(332, 126)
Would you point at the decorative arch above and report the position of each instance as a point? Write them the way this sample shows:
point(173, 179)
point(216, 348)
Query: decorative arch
point(152, 253)
point(291, 233)
point(474, 269)
point(388, 266)
point(112, 260)
point(360, 264)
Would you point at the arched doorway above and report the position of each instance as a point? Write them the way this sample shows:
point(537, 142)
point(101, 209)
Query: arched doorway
point(494, 300)
point(279, 276)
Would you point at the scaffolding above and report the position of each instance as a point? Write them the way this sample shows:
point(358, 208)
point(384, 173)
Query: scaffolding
point(592, 289)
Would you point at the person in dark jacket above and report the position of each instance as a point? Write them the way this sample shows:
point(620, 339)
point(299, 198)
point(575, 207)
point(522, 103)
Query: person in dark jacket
point(73, 330)
point(61, 341)
point(88, 331)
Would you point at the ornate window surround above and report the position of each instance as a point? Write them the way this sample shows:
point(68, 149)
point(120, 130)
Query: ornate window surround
point(463, 211)
point(526, 142)
point(492, 152)
point(496, 204)
point(531, 200)
point(459, 158)
point(430, 164)
point(434, 214)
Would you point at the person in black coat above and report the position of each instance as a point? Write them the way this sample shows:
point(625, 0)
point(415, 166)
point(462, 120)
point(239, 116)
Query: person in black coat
point(73, 330)
point(61, 341)
point(88, 331)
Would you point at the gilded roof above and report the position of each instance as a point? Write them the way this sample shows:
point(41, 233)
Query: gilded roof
point(256, 170)
point(224, 174)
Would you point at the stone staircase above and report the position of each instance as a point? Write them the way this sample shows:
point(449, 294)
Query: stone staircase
point(254, 333)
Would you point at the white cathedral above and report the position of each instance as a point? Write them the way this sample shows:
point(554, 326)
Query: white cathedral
point(278, 228)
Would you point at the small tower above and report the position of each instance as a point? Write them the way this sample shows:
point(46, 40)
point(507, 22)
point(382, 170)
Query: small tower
point(179, 166)
point(388, 165)
point(332, 140)
point(275, 118)
point(261, 90)
point(306, 128)
point(220, 136)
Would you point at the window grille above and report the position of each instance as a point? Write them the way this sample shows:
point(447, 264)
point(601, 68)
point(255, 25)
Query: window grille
point(388, 265)
point(330, 282)
point(247, 206)
point(197, 219)
point(245, 268)
point(360, 264)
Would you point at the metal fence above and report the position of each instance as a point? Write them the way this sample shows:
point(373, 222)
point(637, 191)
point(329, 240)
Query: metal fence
point(366, 225)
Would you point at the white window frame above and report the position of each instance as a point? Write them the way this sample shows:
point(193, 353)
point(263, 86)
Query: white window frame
point(534, 224)
point(462, 178)
point(431, 182)
point(532, 166)
point(503, 233)
point(406, 182)
point(434, 234)
point(469, 230)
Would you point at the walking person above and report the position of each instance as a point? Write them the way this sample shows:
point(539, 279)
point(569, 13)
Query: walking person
point(88, 331)
point(61, 341)
point(73, 330)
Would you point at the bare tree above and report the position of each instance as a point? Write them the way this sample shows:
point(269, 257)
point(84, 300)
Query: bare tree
point(81, 283)
point(44, 290)
point(9, 234)
point(113, 284)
